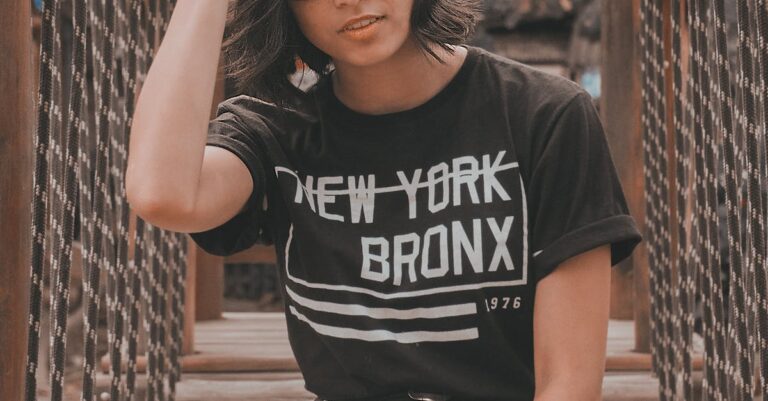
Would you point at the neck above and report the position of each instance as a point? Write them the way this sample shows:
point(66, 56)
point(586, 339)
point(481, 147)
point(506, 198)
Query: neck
point(405, 80)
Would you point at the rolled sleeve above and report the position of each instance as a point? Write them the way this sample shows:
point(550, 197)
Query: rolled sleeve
point(577, 202)
point(236, 129)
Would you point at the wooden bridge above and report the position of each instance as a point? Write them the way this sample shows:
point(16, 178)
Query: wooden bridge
point(245, 356)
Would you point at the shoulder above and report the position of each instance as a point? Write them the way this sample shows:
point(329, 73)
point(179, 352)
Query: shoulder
point(533, 92)
point(255, 113)
point(534, 102)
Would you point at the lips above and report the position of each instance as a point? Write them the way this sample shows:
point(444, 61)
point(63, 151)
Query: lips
point(360, 22)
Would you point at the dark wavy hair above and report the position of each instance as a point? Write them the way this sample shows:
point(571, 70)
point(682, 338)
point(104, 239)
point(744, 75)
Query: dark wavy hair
point(263, 43)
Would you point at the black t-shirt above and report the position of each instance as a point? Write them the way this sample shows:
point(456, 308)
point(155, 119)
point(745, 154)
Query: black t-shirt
point(410, 244)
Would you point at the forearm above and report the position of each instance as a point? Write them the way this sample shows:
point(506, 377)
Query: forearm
point(170, 121)
point(570, 379)
point(567, 391)
point(571, 312)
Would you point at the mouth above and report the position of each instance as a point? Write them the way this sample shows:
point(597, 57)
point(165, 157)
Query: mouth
point(360, 23)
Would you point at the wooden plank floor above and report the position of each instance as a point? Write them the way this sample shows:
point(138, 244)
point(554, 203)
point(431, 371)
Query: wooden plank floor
point(264, 386)
point(262, 337)
point(289, 386)
point(261, 344)
point(243, 341)
point(246, 356)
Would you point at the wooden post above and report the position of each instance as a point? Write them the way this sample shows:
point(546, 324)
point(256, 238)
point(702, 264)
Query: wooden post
point(209, 286)
point(16, 165)
point(671, 172)
point(620, 107)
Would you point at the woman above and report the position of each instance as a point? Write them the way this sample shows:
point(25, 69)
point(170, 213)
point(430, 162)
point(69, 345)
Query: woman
point(444, 218)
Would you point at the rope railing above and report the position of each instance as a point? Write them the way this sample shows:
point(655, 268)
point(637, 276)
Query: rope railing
point(82, 168)
point(718, 135)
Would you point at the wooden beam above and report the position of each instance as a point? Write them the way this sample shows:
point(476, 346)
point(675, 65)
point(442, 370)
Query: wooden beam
point(628, 361)
point(640, 262)
point(672, 183)
point(262, 345)
point(218, 363)
point(16, 164)
point(209, 285)
point(620, 110)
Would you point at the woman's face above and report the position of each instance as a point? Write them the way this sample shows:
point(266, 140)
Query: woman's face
point(357, 32)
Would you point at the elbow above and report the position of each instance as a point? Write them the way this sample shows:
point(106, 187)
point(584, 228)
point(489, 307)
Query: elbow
point(138, 196)
point(150, 198)
point(137, 188)
point(160, 211)
point(147, 207)
point(162, 196)
point(162, 214)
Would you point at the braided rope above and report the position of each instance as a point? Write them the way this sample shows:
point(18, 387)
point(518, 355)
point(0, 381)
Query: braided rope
point(657, 213)
point(702, 248)
point(62, 216)
point(162, 298)
point(154, 386)
point(172, 309)
point(713, 327)
point(132, 306)
point(119, 275)
point(761, 14)
point(178, 275)
point(739, 355)
point(135, 281)
point(730, 333)
point(668, 301)
point(86, 199)
point(648, 169)
point(686, 288)
point(667, 319)
point(57, 326)
point(55, 215)
point(746, 88)
point(101, 195)
point(121, 39)
point(134, 297)
point(45, 115)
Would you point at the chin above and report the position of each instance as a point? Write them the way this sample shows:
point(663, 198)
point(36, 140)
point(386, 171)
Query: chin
point(367, 53)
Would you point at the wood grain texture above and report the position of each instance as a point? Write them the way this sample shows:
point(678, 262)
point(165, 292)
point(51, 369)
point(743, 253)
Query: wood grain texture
point(16, 170)
point(246, 356)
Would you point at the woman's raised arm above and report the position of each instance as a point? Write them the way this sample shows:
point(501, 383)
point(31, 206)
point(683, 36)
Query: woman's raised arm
point(173, 180)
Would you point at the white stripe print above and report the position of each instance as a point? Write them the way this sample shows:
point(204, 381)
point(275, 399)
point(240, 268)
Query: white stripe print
point(405, 337)
point(384, 313)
